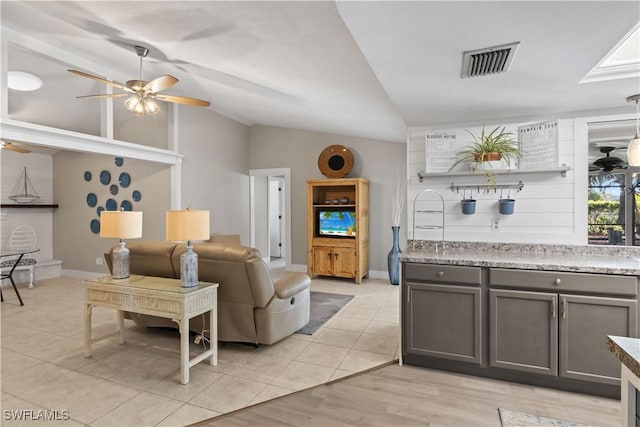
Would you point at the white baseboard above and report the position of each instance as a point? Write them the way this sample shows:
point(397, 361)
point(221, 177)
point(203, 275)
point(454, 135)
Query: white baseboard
point(373, 274)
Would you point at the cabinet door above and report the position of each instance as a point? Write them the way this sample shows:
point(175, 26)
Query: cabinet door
point(523, 331)
point(585, 323)
point(444, 321)
point(323, 261)
point(344, 262)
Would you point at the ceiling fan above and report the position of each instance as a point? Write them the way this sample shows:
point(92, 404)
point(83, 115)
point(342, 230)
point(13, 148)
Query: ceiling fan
point(6, 144)
point(608, 163)
point(141, 94)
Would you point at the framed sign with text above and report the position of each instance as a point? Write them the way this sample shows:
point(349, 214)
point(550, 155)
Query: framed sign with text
point(538, 144)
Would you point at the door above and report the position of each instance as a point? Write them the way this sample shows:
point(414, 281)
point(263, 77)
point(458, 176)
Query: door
point(323, 261)
point(344, 262)
point(523, 331)
point(445, 321)
point(275, 217)
point(585, 323)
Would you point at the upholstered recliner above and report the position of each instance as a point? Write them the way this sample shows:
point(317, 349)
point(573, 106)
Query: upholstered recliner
point(251, 307)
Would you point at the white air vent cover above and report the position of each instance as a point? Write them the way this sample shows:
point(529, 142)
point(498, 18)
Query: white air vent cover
point(491, 60)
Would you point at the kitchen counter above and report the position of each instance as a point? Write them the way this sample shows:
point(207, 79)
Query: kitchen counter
point(627, 350)
point(583, 259)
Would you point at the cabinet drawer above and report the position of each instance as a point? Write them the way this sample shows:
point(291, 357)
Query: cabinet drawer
point(563, 281)
point(443, 273)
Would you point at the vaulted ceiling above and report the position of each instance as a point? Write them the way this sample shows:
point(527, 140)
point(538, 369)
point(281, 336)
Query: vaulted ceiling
point(363, 68)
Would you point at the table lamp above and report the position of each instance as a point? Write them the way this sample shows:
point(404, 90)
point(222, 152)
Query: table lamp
point(120, 225)
point(188, 225)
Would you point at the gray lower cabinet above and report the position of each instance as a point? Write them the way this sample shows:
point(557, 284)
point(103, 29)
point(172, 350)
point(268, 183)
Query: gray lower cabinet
point(523, 331)
point(558, 334)
point(585, 322)
point(444, 321)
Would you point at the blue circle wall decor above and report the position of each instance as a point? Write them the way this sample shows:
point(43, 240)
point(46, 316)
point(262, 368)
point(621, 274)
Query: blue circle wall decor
point(119, 161)
point(105, 177)
point(92, 200)
point(124, 179)
point(113, 189)
point(126, 205)
point(99, 210)
point(137, 196)
point(87, 176)
point(111, 205)
point(94, 225)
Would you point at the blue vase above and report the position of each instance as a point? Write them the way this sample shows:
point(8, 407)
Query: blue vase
point(393, 259)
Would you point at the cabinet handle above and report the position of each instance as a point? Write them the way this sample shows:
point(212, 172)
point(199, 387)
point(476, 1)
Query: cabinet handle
point(564, 308)
point(440, 273)
point(408, 294)
point(336, 255)
point(553, 307)
point(557, 282)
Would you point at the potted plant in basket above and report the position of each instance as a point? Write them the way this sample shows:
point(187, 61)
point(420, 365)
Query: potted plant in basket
point(496, 145)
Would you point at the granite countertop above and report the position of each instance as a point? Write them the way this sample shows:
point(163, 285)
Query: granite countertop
point(581, 259)
point(627, 350)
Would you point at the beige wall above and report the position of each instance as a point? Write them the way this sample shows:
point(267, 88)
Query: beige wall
point(378, 161)
point(215, 170)
point(73, 241)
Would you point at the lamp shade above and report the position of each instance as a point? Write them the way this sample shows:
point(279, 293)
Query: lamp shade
point(633, 151)
point(187, 225)
point(121, 224)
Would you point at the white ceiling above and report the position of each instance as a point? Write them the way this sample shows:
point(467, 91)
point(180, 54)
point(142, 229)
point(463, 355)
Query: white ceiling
point(366, 69)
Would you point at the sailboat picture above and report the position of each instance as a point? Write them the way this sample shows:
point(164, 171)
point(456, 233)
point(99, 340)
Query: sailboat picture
point(20, 193)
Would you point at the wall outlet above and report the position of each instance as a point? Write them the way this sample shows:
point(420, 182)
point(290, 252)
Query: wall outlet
point(99, 261)
point(495, 224)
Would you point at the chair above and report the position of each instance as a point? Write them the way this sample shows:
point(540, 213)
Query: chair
point(23, 237)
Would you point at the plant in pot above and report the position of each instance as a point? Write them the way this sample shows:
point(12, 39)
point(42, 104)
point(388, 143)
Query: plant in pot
point(496, 145)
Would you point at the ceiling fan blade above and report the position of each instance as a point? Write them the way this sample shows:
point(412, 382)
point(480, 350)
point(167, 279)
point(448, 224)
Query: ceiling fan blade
point(183, 100)
point(101, 80)
point(105, 95)
point(10, 146)
point(161, 83)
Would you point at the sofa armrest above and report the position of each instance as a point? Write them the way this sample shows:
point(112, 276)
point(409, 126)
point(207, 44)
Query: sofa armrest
point(291, 284)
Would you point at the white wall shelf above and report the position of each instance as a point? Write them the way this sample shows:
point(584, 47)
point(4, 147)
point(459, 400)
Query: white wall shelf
point(561, 169)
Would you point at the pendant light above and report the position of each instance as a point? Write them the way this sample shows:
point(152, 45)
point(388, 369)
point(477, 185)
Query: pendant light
point(633, 150)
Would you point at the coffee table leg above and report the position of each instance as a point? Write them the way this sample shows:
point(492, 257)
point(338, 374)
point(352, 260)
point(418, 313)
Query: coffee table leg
point(121, 327)
point(87, 330)
point(184, 350)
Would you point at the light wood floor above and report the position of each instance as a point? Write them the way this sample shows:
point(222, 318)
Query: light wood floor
point(410, 396)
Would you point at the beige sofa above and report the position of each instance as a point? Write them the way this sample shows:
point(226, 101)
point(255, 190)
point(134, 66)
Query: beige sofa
point(251, 307)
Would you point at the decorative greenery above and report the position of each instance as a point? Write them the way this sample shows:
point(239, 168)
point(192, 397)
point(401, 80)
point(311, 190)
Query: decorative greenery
point(398, 188)
point(497, 141)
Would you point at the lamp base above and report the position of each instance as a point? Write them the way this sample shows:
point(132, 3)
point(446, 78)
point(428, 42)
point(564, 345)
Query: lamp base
point(189, 268)
point(120, 262)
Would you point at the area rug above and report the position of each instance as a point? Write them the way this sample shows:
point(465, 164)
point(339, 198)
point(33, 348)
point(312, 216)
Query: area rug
point(521, 419)
point(323, 307)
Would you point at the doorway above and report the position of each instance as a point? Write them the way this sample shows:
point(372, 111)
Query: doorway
point(270, 207)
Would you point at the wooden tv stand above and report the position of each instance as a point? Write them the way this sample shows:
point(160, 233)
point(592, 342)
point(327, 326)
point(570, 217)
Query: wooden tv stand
point(338, 256)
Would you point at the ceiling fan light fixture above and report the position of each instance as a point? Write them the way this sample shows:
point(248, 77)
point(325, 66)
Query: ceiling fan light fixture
point(633, 150)
point(141, 106)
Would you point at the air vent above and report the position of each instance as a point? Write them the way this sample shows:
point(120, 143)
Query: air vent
point(491, 60)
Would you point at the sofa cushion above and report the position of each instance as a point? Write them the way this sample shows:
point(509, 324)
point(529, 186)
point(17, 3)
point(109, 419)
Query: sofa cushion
point(151, 259)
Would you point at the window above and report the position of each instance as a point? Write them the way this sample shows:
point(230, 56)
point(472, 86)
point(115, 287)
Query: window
point(613, 215)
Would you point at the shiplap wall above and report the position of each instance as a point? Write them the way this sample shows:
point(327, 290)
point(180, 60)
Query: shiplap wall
point(545, 209)
point(40, 173)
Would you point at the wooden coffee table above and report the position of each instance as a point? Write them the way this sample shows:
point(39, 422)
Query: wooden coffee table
point(161, 297)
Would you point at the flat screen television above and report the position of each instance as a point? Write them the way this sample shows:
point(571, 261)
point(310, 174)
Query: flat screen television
point(337, 223)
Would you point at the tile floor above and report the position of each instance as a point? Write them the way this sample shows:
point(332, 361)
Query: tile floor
point(137, 384)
